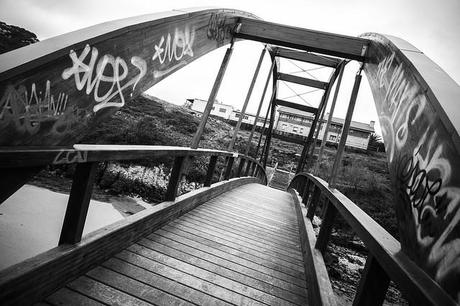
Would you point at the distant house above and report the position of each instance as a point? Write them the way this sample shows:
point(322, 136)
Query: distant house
point(220, 110)
point(223, 111)
point(293, 122)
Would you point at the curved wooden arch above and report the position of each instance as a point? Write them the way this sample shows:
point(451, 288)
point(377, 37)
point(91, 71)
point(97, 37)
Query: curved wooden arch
point(54, 90)
point(417, 105)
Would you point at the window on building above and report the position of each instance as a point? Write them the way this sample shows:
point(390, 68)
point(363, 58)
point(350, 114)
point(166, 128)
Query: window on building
point(222, 110)
point(333, 137)
point(294, 129)
point(301, 130)
point(237, 115)
point(246, 117)
point(283, 126)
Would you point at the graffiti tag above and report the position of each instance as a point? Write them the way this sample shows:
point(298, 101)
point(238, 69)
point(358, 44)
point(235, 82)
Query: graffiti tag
point(108, 70)
point(174, 48)
point(28, 109)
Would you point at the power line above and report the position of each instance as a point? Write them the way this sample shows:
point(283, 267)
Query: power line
point(305, 93)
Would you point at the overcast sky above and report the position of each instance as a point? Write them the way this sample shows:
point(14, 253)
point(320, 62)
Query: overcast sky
point(431, 26)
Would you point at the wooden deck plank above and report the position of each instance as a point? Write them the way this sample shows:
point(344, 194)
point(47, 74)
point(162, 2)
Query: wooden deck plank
point(208, 276)
point(250, 217)
point(195, 249)
point(168, 285)
point(235, 249)
point(134, 287)
point(103, 293)
point(218, 268)
point(66, 296)
point(194, 241)
point(256, 214)
point(244, 240)
point(238, 222)
point(246, 234)
point(184, 278)
point(240, 248)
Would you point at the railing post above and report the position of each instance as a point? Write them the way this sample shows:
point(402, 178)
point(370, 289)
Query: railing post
point(373, 284)
point(174, 179)
point(77, 206)
point(253, 169)
point(326, 226)
point(313, 202)
point(228, 169)
point(248, 167)
point(346, 127)
point(212, 97)
point(240, 166)
point(211, 168)
point(306, 192)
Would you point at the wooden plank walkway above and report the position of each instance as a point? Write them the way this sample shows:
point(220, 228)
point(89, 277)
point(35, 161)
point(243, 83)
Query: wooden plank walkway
point(241, 248)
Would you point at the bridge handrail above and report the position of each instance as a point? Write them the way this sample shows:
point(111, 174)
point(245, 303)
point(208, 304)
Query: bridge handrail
point(87, 156)
point(385, 260)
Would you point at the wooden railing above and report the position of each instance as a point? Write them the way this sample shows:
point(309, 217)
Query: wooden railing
point(385, 260)
point(87, 156)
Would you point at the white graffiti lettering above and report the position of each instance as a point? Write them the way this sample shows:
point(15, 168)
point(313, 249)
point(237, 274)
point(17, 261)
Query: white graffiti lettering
point(173, 48)
point(27, 109)
point(108, 71)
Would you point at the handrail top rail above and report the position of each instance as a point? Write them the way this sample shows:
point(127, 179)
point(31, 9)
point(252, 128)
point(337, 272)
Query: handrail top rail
point(80, 153)
point(384, 247)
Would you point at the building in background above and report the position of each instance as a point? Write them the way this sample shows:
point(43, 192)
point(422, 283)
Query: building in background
point(219, 109)
point(224, 111)
point(293, 123)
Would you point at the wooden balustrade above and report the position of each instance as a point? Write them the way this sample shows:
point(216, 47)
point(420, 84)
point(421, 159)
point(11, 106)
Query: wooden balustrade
point(87, 156)
point(385, 260)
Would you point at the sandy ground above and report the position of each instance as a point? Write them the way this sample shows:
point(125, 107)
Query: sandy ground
point(31, 221)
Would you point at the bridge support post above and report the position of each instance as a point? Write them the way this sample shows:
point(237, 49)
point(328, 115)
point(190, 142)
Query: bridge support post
point(346, 127)
point(210, 172)
point(77, 207)
point(309, 141)
point(268, 138)
point(212, 97)
point(245, 105)
point(373, 284)
point(258, 113)
point(329, 118)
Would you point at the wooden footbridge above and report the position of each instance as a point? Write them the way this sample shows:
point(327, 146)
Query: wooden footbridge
point(234, 241)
